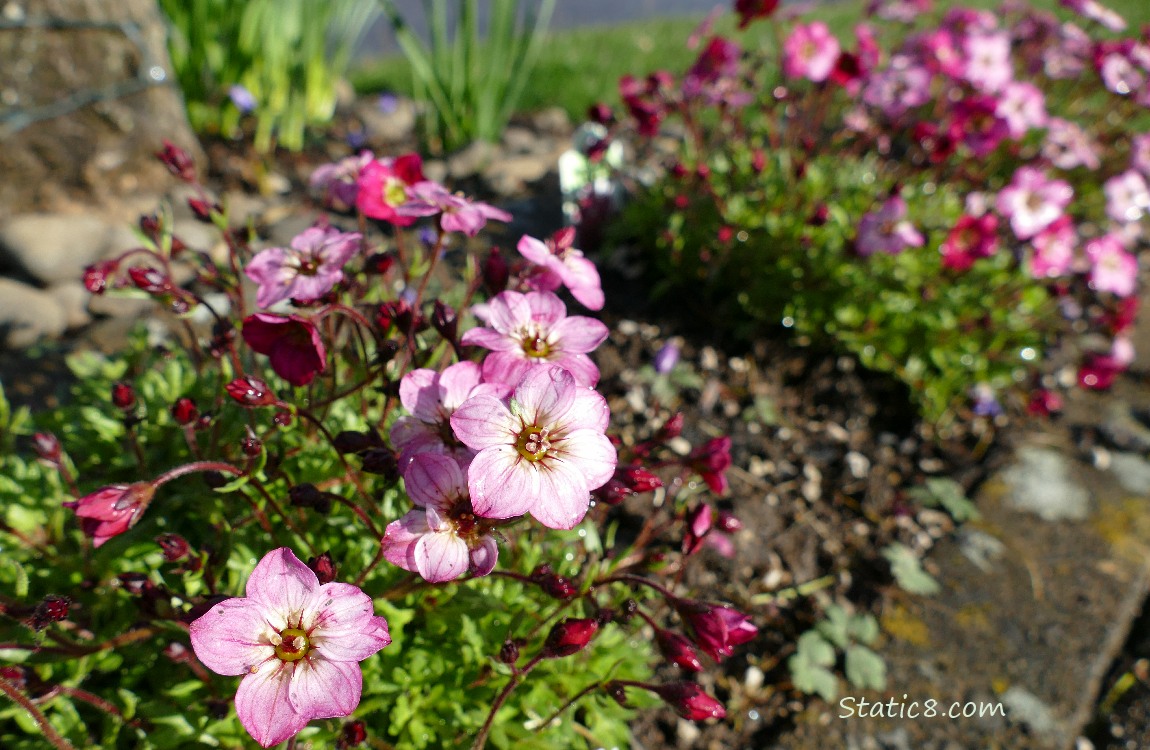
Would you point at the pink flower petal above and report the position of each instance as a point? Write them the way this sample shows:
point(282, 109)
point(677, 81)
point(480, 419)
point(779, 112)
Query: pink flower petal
point(546, 308)
point(419, 395)
point(281, 583)
point(264, 708)
point(228, 638)
point(508, 311)
point(506, 367)
point(400, 536)
point(484, 557)
point(593, 453)
point(543, 394)
point(564, 497)
point(581, 368)
point(503, 484)
point(433, 480)
point(491, 339)
point(441, 557)
point(534, 250)
point(589, 411)
point(582, 278)
point(321, 689)
point(456, 383)
point(483, 421)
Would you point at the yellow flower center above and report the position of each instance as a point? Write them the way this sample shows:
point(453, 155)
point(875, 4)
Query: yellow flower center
point(533, 442)
point(291, 644)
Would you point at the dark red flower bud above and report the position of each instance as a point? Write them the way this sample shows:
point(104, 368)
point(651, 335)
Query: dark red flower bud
point(678, 650)
point(353, 734)
point(1043, 403)
point(617, 692)
point(750, 10)
point(184, 412)
point(47, 447)
point(716, 629)
point(150, 280)
point(699, 523)
point(728, 523)
point(151, 226)
point(495, 272)
point(639, 479)
point(177, 161)
point(357, 442)
point(555, 585)
point(323, 567)
point(758, 161)
point(569, 636)
point(689, 701)
point(711, 461)
point(399, 314)
point(251, 445)
point(123, 395)
point(307, 495)
point(820, 216)
point(282, 418)
point(96, 275)
point(444, 319)
point(250, 391)
point(381, 461)
point(379, 263)
point(672, 428)
point(202, 209)
point(136, 584)
point(630, 608)
point(51, 609)
point(14, 675)
point(174, 546)
point(509, 652)
point(601, 113)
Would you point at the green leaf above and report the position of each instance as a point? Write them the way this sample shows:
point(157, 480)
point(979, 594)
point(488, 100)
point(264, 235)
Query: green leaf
point(908, 572)
point(865, 669)
point(836, 627)
point(941, 492)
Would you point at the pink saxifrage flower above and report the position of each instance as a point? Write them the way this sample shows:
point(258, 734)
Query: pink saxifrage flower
point(1127, 196)
point(1068, 146)
point(973, 237)
point(442, 538)
point(382, 187)
point(887, 230)
point(1032, 201)
point(988, 67)
point(1054, 249)
point(541, 452)
point(110, 511)
point(810, 52)
point(337, 184)
point(716, 629)
point(900, 86)
point(1112, 267)
point(431, 398)
point(305, 271)
point(559, 257)
point(525, 330)
point(297, 643)
point(456, 213)
point(292, 344)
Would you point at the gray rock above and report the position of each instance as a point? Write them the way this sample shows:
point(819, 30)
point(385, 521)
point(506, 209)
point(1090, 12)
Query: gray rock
point(472, 159)
point(73, 300)
point(52, 247)
point(1040, 483)
point(117, 306)
point(1132, 472)
point(1121, 430)
point(394, 123)
point(980, 548)
point(1025, 707)
point(517, 140)
point(27, 314)
point(511, 174)
point(553, 121)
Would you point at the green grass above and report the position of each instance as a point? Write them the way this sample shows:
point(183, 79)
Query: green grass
point(582, 66)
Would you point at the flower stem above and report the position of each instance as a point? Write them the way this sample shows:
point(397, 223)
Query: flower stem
point(517, 677)
point(193, 467)
point(24, 702)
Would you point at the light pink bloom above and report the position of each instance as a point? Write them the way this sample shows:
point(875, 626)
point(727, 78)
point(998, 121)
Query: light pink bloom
point(575, 272)
point(886, 230)
point(1068, 54)
point(1118, 70)
point(306, 271)
point(1023, 107)
point(541, 453)
point(1068, 146)
point(1112, 268)
point(904, 11)
point(526, 330)
point(337, 184)
point(431, 398)
point(988, 66)
point(1140, 153)
point(902, 85)
point(1054, 249)
point(810, 52)
point(441, 539)
point(1095, 11)
point(1127, 196)
point(1032, 201)
point(298, 645)
point(939, 51)
point(456, 213)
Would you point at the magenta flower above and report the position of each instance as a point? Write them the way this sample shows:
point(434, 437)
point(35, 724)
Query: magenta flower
point(1127, 196)
point(1022, 106)
point(973, 237)
point(382, 187)
point(298, 645)
point(574, 271)
point(1032, 201)
point(441, 539)
point(456, 213)
point(886, 230)
point(431, 398)
point(110, 511)
point(979, 125)
point(1054, 249)
point(338, 184)
point(810, 52)
point(902, 85)
point(531, 329)
point(1112, 267)
point(306, 271)
point(292, 344)
point(988, 66)
point(542, 453)
point(716, 629)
